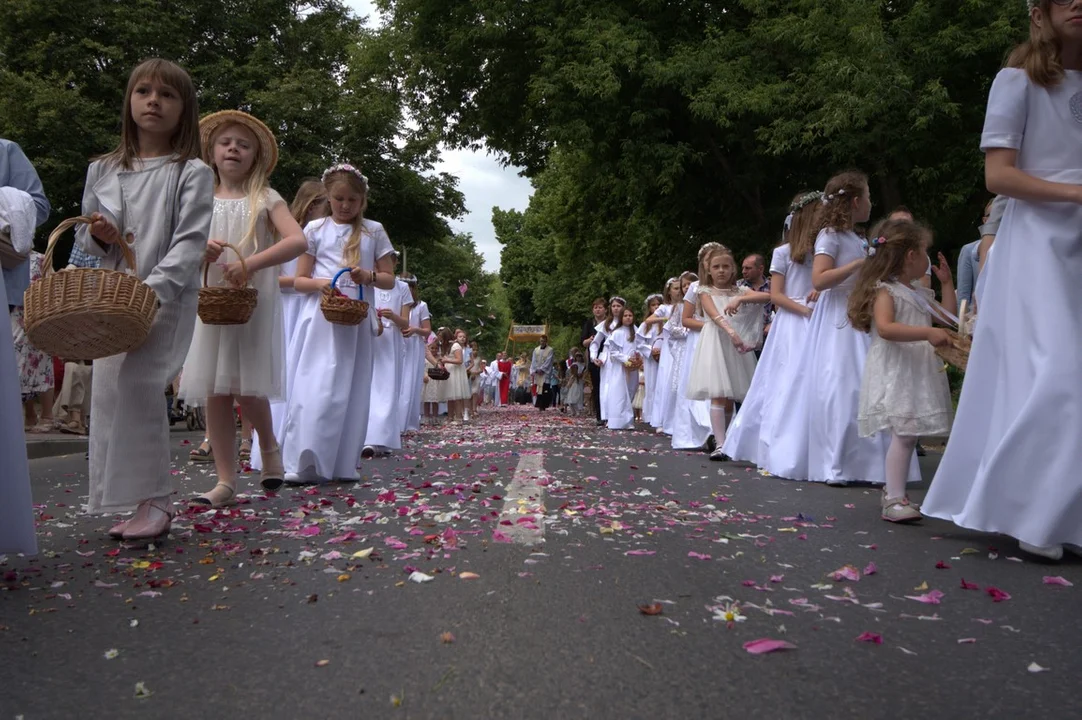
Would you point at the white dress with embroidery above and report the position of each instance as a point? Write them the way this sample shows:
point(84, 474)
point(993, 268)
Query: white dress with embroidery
point(328, 366)
point(905, 389)
point(1012, 463)
point(690, 418)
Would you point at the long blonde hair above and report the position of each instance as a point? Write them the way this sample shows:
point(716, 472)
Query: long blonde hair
point(256, 186)
point(185, 140)
point(1040, 55)
point(707, 280)
point(309, 193)
point(351, 253)
point(892, 243)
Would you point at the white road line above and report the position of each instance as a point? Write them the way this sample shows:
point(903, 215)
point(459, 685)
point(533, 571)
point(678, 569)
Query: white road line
point(523, 517)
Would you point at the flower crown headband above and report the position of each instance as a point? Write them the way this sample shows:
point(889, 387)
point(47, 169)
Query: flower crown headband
point(653, 296)
point(805, 200)
point(871, 245)
point(617, 298)
point(344, 167)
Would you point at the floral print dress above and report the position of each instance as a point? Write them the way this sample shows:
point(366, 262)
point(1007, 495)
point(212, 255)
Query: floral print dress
point(35, 367)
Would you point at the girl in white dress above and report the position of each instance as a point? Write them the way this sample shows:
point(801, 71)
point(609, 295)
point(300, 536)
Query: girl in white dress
point(691, 418)
point(751, 436)
point(648, 334)
point(330, 366)
point(154, 188)
point(835, 351)
point(904, 390)
point(242, 361)
point(457, 387)
point(724, 360)
point(1012, 463)
point(573, 383)
point(433, 393)
point(388, 370)
point(613, 320)
point(416, 337)
point(619, 382)
point(664, 397)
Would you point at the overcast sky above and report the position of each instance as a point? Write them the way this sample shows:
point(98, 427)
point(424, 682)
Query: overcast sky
point(481, 178)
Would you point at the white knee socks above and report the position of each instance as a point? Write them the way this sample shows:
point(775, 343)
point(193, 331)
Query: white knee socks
point(717, 423)
point(899, 455)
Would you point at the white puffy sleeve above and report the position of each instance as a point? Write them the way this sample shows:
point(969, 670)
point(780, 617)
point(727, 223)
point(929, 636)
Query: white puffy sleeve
point(595, 344)
point(779, 261)
point(1005, 118)
point(827, 242)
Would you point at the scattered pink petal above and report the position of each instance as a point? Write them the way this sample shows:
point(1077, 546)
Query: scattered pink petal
point(765, 645)
point(350, 535)
point(641, 552)
point(942, 566)
point(1057, 580)
point(997, 594)
point(310, 531)
point(966, 641)
point(931, 597)
point(969, 585)
point(870, 637)
point(498, 536)
point(848, 572)
point(777, 578)
point(698, 556)
point(870, 569)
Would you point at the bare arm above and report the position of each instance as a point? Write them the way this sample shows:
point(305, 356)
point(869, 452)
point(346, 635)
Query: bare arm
point(781, 300)
point(690, 321)
point(304, 282)
point(826, 276)
point(888, 329)
point(1003, 178)
point(292, 245)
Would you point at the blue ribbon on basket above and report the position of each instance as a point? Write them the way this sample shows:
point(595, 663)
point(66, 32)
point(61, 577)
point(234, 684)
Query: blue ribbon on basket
point(340, 273)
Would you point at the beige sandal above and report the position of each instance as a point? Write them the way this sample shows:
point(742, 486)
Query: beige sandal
point(206, 502)
point(273, 473)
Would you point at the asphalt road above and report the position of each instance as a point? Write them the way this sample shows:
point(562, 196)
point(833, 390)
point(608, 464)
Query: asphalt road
point(308, 605)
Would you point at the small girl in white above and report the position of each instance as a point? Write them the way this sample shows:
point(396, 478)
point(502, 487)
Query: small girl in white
point(904, 390)
point(619, 382)
point(457, 386)
point(724, 361)
point(608, 377)
point(242, 361)
point(573, 383)
point(663, 395)
point(330, 366)
point(416, 336)
point(392, 307)
point(649, 333)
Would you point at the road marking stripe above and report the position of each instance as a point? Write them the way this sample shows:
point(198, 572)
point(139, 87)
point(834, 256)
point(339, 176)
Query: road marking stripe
point(523, 517)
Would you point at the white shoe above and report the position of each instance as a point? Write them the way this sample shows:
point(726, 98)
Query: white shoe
point(1052, 552)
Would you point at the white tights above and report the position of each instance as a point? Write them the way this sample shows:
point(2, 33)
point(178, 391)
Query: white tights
point(717, 422)
point(899, 456)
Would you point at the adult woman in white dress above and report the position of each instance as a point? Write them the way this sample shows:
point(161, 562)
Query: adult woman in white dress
point(1012, 463)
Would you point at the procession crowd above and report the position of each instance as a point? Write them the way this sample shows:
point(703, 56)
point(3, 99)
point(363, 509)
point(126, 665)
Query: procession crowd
point(827, 371)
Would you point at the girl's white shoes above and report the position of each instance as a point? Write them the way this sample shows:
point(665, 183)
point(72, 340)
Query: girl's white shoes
point(899, 510)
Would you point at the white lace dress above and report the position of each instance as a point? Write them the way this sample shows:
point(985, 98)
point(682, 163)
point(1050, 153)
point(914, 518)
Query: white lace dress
point(905, 389)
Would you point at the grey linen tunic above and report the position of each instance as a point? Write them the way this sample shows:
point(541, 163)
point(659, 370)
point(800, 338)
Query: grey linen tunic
point(129, 431)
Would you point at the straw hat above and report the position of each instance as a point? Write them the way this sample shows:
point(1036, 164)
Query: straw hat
point(268, 145)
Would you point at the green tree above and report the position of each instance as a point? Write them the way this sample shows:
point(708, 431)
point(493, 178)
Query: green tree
point(308, 69)
point(649, 128)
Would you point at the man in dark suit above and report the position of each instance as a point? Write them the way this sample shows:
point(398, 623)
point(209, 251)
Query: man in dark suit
point(588, 333)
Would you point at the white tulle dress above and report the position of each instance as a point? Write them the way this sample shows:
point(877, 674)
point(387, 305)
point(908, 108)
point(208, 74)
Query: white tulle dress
point(905, 389)
point(718, 369)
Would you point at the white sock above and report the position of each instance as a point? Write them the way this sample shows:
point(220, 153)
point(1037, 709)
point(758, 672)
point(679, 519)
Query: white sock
point(717, 423)
point(899, 456)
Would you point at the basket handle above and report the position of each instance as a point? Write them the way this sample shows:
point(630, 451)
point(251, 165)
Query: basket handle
point(243, 266)
point(340, 273)
point(64, 226)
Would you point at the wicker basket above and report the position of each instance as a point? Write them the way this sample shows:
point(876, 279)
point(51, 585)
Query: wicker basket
point(957, 353)
point(339, 309)
point(88, 313)
point(227, 305)
point(438, 373)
